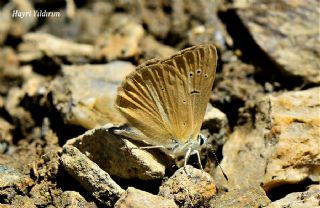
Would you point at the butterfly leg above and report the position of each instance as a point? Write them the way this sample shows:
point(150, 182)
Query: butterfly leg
point(152, 147)
point(186, 157)
point(148, 147)
point(198, 157)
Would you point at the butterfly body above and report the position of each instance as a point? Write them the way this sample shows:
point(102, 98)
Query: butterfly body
point(165, 100)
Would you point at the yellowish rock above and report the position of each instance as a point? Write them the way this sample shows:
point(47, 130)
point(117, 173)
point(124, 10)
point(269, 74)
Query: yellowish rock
point(280, 145)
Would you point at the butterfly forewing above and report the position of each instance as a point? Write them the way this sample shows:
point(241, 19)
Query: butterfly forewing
point(166, 99)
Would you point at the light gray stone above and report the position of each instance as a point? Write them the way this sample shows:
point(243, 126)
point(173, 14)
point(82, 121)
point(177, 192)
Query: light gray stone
point(35, 46)
point(117, 155)
point(85, 94)
point(136, 198)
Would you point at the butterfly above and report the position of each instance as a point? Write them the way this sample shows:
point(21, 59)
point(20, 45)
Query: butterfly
point(164, 100)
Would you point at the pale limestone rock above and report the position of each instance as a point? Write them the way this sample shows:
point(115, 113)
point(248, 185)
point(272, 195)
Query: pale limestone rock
point(251, 197)
point(280, 145)
point(85, 94)
point(120, 40)
point(5, 135)
point(23, 201)
point(37, 45)
point(6, 20)
point(141, 199)
point(295, 137)
point(189, 187)
point(306, 199)
point(117, 155)
point(20, 26)
point(151, 48)
point(9, 176)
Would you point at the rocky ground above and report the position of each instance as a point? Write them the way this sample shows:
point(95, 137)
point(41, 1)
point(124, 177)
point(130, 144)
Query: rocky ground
point(59, 78)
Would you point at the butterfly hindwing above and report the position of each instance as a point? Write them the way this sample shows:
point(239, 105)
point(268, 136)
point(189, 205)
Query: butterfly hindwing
point(198, 65)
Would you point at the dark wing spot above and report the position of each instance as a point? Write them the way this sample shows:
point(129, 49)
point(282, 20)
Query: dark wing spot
point(195, 92)
point(206, 75)
point(198, 71)
point(191, 74)
point(184, 101)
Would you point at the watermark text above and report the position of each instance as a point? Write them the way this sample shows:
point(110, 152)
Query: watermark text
point(34, 13)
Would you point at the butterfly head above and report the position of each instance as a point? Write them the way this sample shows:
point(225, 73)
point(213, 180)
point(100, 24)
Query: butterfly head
point(180, 148)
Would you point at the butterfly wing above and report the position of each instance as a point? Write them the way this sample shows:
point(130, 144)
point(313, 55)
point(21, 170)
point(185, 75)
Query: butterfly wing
point(198, 65)
point(166, 99)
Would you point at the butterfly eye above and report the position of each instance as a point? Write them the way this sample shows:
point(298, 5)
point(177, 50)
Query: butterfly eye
point(201, 140)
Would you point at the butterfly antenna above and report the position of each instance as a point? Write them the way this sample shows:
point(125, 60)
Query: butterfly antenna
point(224, 174)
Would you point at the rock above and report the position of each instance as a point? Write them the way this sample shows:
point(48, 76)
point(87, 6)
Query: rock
point(72, 199)
point(260, 151)
point(9, 176)
point(295, 123)
point(235, 84)
point(23, 201)
point(48, 165)
point(120, 40)
point(9, 61)
point(252, 197)
point(19, 26)
point(189, 187)
point(84, 26)
point(25, 170)
point(10, 75)
point(141, 199)
point(206, 26)
point(43, 193)
point(12, 180)
point(151, 48)
point(85, 94)
point(32, 85)
point(217, 123)
point(6, 20)
point(5, 135)
point(96, 181)
point(117, 155)
point(154, 17)
point(178, 22)
point(309, 198)
point(36, 46)
point(286, 33)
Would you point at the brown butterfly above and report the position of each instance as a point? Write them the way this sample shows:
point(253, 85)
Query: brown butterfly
point(165, 100)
